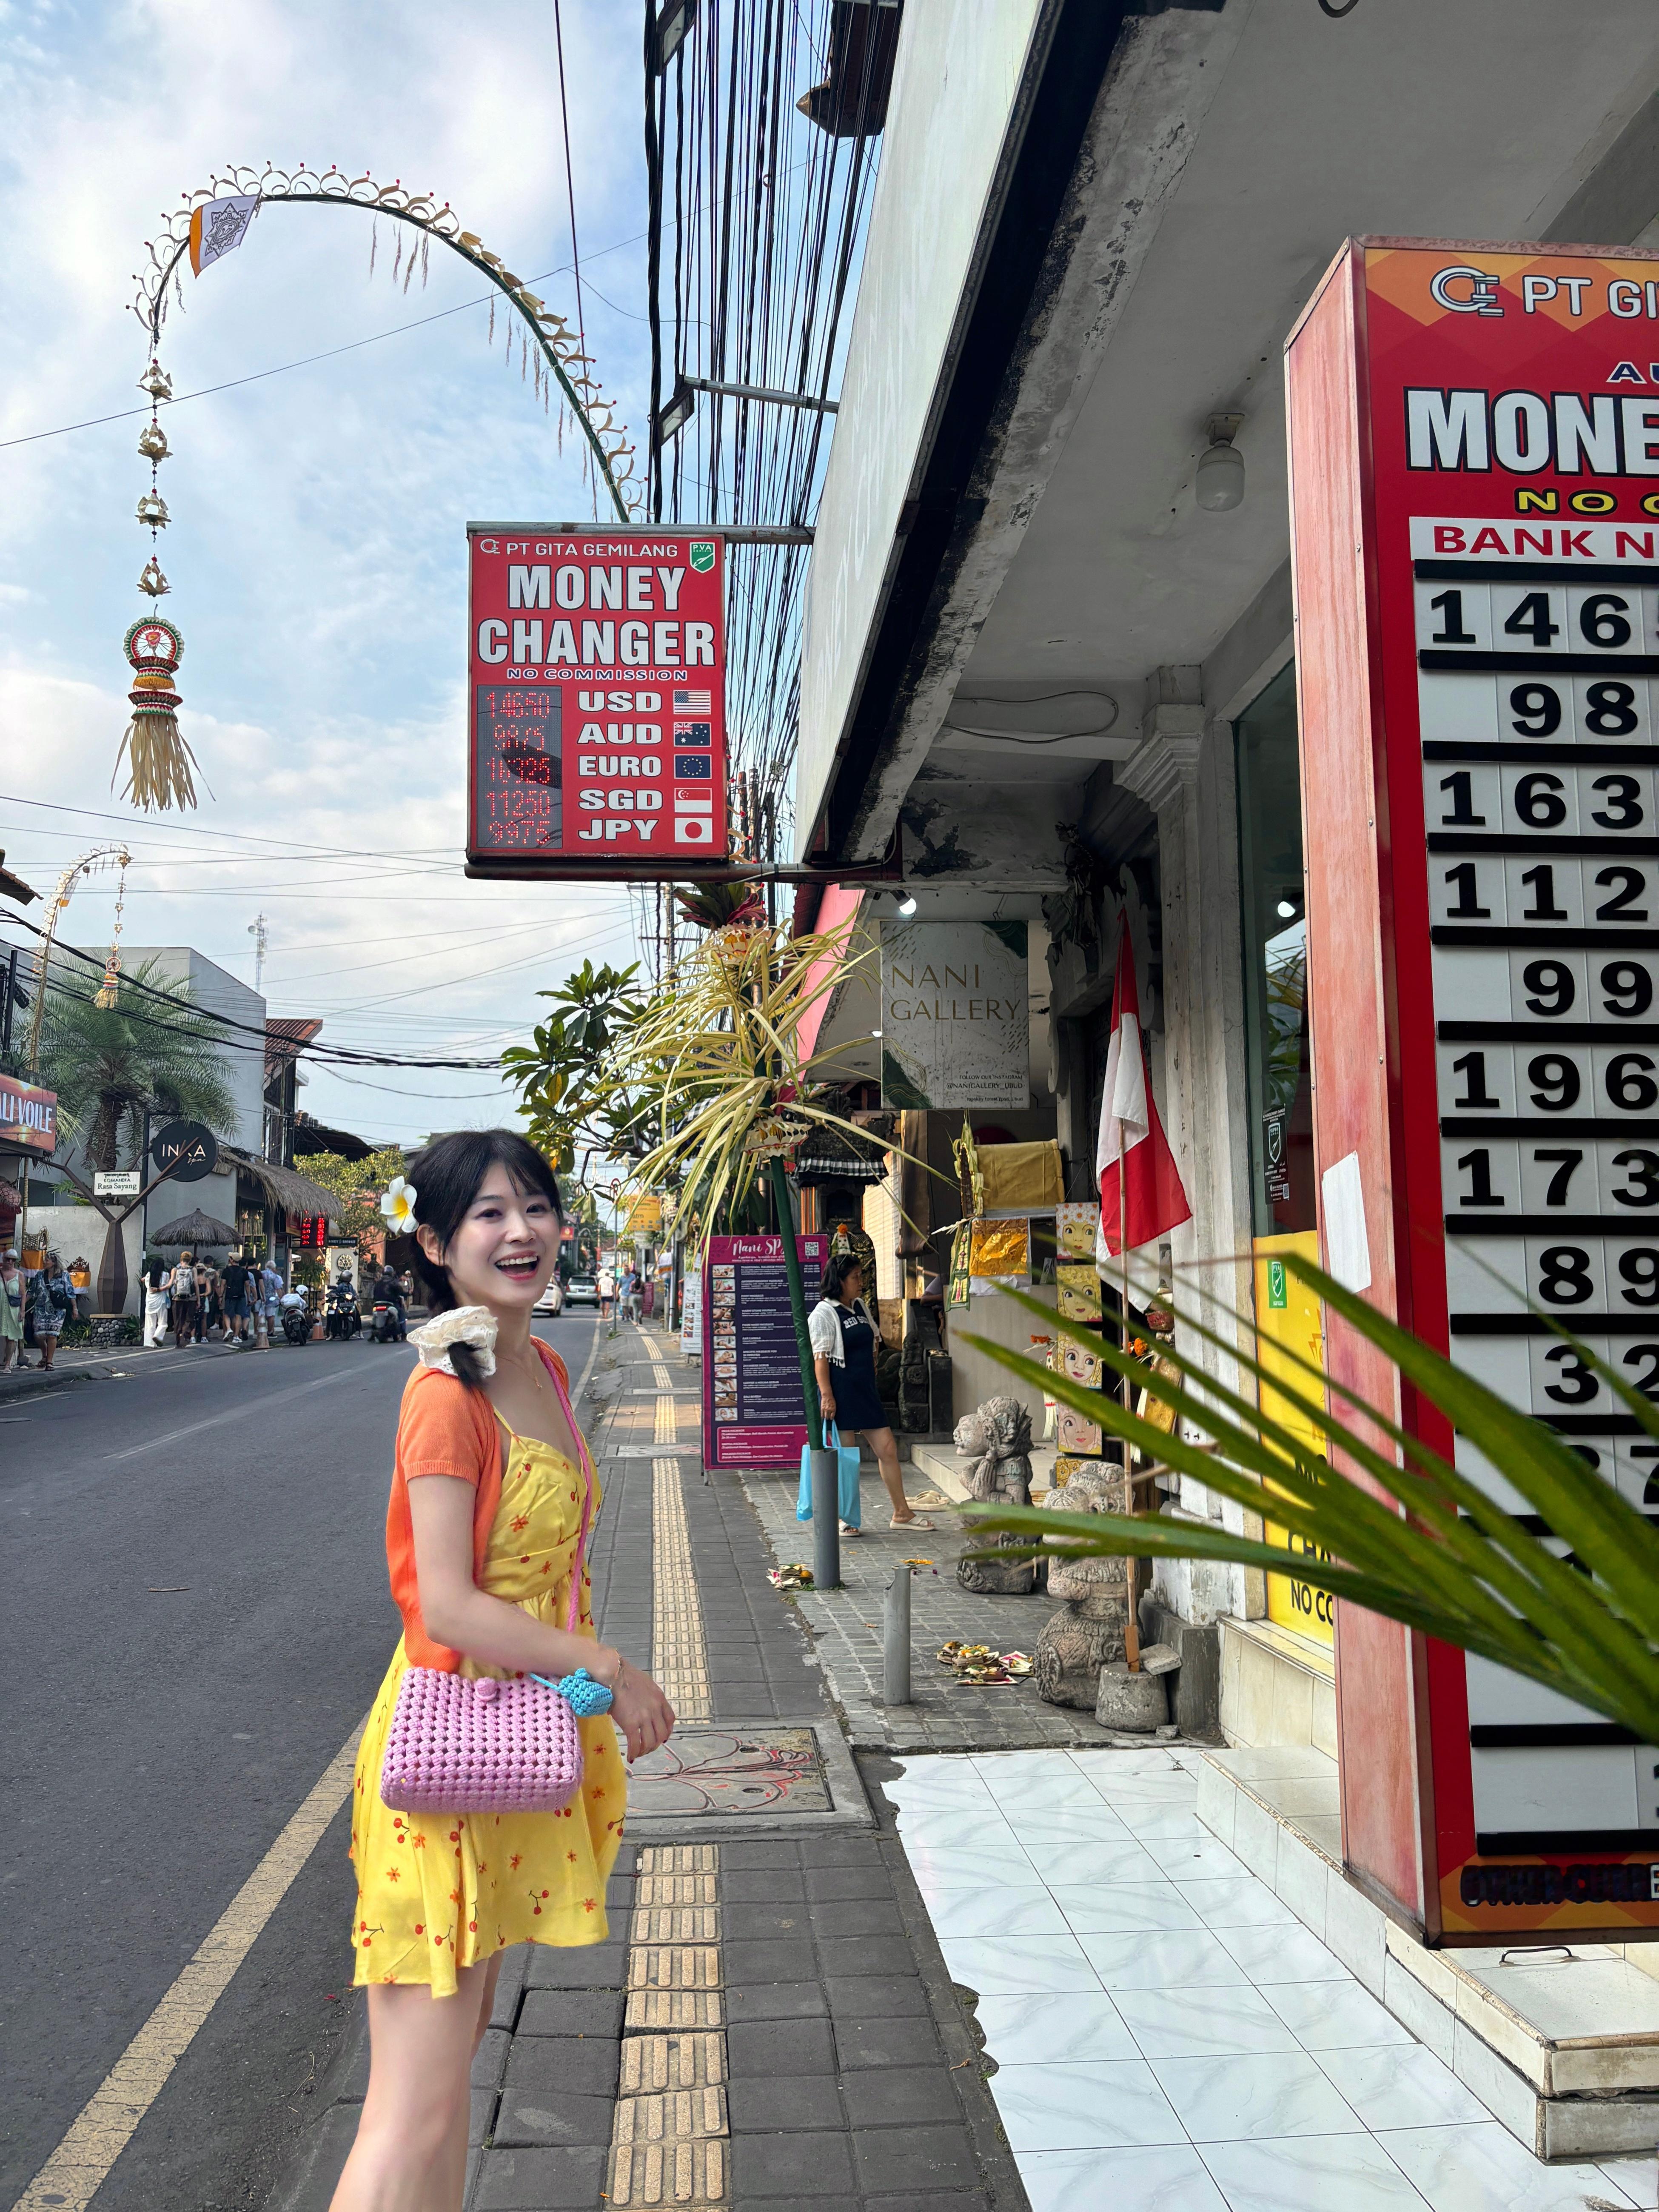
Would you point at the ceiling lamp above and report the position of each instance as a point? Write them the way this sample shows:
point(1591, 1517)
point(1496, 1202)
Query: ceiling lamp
point(1220, 484)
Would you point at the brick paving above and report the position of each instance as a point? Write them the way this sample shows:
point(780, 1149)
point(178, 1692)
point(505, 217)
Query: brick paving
point(846, 1629)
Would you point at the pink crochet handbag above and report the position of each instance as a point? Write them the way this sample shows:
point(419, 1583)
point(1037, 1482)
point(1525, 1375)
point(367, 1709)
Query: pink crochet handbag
point(456, 1746)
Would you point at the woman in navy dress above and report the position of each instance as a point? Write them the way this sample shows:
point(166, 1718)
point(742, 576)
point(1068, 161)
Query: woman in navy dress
point(844, 1338)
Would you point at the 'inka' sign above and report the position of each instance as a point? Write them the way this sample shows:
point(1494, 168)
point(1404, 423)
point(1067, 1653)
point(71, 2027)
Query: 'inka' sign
point(955, 1017)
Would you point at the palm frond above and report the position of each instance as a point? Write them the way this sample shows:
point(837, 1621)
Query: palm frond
point(1390, 1523)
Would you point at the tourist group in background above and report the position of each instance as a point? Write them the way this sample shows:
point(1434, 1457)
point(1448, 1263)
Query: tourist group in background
point(194, 1300)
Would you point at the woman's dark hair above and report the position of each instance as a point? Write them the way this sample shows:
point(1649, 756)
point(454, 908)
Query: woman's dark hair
point(841, 1265)
point(446, 1174)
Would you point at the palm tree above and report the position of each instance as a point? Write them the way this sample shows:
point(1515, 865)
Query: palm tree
point(110, 1064)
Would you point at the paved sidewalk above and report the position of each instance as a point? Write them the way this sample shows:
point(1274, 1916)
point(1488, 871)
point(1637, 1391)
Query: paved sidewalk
point(771, 2023)
point(846, 1628)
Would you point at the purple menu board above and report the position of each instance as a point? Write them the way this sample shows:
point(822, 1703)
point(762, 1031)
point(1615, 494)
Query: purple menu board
point(753, 1414)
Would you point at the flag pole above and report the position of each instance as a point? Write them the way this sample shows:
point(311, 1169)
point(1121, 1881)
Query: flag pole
point(1131, 1624)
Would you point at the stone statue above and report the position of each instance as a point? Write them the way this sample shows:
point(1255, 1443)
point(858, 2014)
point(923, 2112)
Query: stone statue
point(997, 1436)
point(1087, 1632)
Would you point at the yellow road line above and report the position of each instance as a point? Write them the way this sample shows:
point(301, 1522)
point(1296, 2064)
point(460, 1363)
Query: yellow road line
point(76, 2169)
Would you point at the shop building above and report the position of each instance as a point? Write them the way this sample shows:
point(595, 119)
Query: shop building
point(1050, 664)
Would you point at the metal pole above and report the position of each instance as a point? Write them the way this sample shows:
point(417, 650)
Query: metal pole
point(826, 1521)
point(766, 391)
point(895, 1658)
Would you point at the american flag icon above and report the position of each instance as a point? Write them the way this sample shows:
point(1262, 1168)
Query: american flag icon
point(694, 702)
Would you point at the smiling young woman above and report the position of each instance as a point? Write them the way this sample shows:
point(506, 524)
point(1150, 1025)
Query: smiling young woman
point(491, 1489)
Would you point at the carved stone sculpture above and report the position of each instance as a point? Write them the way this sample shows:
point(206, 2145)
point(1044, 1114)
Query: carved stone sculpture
point(1087, 1632)
point(997, 1436)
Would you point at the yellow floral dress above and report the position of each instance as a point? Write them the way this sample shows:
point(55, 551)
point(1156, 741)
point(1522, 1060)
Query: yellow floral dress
point(437, 1893)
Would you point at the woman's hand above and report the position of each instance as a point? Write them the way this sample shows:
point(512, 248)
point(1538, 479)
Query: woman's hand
point(827, 1401)
point(639, 1710)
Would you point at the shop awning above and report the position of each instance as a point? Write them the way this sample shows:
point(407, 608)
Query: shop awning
point(286, 1187)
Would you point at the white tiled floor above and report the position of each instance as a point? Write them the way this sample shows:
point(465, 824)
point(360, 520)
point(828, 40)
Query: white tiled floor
point(1169, 2037)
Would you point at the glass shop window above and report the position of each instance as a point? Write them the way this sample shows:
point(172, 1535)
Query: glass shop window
point(1275, 948)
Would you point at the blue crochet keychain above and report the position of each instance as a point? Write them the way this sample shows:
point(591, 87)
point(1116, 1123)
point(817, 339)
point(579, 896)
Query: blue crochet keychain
point(585, 1698)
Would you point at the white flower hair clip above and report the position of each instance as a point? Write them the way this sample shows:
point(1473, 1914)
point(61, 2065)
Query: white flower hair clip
point(472, 1326)
point(398, 1205)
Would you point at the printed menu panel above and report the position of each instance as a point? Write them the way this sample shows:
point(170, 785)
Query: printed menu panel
point(752, 1411)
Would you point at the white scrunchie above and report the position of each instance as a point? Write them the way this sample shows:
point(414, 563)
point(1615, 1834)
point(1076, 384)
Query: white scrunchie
point(473, 1326)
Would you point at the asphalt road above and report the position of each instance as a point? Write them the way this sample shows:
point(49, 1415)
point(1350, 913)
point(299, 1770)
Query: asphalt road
point(194, 1617)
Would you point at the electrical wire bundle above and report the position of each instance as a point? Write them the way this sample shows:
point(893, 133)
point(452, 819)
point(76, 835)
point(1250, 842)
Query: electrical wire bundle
point(757, 217)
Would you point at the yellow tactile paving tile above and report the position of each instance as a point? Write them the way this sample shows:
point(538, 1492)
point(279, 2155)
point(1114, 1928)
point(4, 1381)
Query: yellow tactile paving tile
point(651, 2010)
point(675, 1924)
point(679, 1655)
point(673, 1889)
point(683, 2174)
point(674, 1967)
point(654, 2065)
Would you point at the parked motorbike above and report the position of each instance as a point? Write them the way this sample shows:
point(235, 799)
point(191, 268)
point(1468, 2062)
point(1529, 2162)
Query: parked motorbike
point(342, 1316)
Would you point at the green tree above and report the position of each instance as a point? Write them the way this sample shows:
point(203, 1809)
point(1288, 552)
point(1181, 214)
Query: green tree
point(358, 1185)
point(109, 1064)
point(570, 1090)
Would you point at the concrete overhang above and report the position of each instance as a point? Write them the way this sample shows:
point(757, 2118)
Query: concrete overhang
point(1227, 155)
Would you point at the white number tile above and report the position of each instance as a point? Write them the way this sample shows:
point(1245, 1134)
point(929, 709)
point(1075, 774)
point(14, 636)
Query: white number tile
point(1470, 612)
point(1503, 1364)
point(1625, 1079)
point(1540, 802)
point(1540, 996)
point(1472, 983)
point(1613, 802)
point(1485, 1274)
point(1568, 1274)
point(1475, 802)
point(1498, 1698)
point(1595, 612)
point(1475, 1078)
point(1635, 1470)
point(1560, 1383)
point(1647, 1785)
point(1501, 1176)
point(1553, 899)
point(1458, 709)
point(1509, 598)
point(1612, 709)
point(1489, 1480)
point(1584, 1786)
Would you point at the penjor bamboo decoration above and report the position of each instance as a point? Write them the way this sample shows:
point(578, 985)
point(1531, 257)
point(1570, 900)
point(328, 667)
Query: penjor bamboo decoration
point(159, 764)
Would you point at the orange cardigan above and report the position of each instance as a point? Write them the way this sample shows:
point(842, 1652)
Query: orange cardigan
point(443, 1428)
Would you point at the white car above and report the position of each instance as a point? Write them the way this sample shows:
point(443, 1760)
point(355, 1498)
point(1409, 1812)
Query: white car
point(551, 1300)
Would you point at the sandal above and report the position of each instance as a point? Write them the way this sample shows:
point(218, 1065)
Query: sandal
point(917, 1521)
point(848, 1529)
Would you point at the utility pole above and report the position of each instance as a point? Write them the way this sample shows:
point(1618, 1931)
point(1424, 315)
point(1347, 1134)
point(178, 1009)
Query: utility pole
point(256, 930)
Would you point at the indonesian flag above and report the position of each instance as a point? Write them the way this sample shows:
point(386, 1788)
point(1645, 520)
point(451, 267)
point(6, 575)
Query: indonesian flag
point(1133, 1145)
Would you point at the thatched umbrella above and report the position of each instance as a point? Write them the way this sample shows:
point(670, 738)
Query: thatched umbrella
point(192, 1230)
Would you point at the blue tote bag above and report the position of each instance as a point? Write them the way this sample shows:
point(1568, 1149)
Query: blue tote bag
point(847, 1479)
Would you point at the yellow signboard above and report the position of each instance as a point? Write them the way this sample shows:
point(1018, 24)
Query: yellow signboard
point(644, 1213)
point(1287, 1322)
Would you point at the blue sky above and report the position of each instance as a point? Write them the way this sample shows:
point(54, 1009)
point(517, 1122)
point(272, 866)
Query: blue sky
point(316, 551)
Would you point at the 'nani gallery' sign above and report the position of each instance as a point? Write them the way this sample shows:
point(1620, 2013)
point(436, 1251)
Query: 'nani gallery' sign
point(955, 1017)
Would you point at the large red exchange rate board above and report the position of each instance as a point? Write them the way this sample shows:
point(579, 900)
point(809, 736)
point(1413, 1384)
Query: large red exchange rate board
point(1474, 452)
point(597, 697)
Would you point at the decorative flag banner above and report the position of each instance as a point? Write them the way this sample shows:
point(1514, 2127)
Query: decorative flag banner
point(218, 228)
point(598, 697)
point(1141, 1195)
